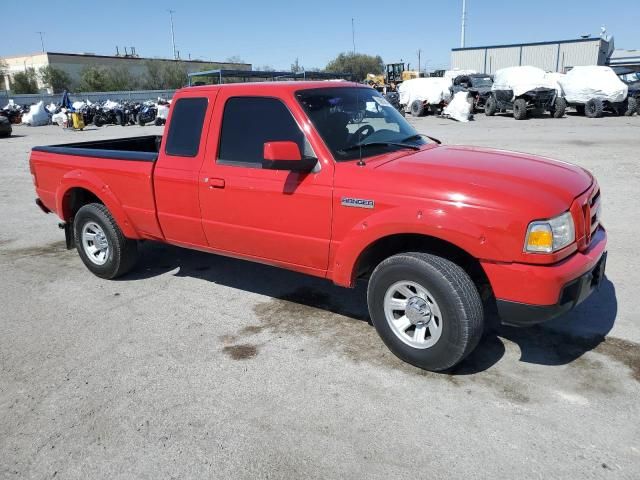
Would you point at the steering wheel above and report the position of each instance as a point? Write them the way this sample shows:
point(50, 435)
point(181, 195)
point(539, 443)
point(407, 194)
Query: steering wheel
point(362, 133)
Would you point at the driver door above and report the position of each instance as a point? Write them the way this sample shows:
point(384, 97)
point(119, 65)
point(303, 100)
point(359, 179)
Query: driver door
point(280, 217)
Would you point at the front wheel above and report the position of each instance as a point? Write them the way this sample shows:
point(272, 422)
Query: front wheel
point(632, 106)
point(426, 309)
point(559, 107)
point(520, 109)
point(490, 107)
point(101, 244)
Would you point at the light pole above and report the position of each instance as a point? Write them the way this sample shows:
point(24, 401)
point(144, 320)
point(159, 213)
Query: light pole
point(41, 40)
point(353, 35)
point(464, 23)
point(173, 37)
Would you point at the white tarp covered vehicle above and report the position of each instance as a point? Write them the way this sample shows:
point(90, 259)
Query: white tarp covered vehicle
point(594, 89)
point(37, 115)
point(459, 108)
point(524, 89)
point(419, 94)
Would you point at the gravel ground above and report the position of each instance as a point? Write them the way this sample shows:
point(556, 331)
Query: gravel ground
point(199, 366)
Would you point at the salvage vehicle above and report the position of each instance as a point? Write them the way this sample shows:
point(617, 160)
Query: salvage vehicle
point(525, 91)
point(632, 81)
point(439, 233)
point(478, 85)
point(420, 96)
point(593, 90)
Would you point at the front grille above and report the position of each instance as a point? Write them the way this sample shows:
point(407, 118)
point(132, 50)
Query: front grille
point(591, 215)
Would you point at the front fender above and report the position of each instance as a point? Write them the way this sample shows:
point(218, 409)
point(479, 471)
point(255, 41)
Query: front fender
point(447, 223)
point(94, 184)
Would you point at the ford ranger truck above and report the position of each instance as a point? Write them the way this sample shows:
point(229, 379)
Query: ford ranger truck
point(328, 179)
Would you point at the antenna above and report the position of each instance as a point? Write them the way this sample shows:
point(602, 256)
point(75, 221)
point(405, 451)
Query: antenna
point(117, 51)
point(464, 23)
point(173, 37)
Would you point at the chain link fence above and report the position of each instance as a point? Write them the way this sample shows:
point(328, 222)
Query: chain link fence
point(137, 95)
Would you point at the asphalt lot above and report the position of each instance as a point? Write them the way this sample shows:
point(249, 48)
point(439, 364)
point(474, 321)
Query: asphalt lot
point(199, 366)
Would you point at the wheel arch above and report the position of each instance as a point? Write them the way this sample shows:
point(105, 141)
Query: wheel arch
point(79, 188)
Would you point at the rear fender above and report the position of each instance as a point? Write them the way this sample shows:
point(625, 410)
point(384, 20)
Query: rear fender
point(94, 184)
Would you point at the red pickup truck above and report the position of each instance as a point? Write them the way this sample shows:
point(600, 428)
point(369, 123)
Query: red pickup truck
point(328, 179)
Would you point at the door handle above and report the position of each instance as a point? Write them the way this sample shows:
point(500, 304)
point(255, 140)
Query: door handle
point(215, 182)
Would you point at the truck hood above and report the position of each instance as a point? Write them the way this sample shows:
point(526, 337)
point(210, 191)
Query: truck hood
point(492, 178)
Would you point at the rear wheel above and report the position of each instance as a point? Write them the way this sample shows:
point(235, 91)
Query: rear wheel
point(417, 108)
point(520, 109)
point(594, 108)
point(559, 107)
point(426, 309)
point(632, 106)
point(490, 107)
point(101, 244)
point(98, 121)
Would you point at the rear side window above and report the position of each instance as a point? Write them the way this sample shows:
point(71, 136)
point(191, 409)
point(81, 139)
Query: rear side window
point(249, 122)
point(185, 128)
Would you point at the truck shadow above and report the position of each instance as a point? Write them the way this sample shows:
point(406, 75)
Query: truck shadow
point(558, 342)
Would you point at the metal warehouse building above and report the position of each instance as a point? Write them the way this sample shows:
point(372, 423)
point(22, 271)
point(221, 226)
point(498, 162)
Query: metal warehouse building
point(550, 56)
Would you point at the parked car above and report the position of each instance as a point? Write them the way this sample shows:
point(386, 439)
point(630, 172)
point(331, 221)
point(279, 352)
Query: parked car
point(478, 85)
point(594, 90)
point(437, 232)
point(5, 126)
point(525, 91)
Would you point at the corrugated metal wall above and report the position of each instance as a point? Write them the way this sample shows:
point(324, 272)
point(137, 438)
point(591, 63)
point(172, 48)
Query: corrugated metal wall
point(468, 60)
point(552, 56)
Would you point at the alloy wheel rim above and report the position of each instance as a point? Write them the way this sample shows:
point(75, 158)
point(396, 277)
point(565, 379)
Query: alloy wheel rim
point(95, 243)
point(413, 314)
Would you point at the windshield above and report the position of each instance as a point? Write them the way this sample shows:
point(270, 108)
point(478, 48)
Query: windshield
point(357, 121)
point(481, 81)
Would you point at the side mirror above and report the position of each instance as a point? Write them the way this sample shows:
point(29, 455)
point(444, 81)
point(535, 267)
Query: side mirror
point(286, 156)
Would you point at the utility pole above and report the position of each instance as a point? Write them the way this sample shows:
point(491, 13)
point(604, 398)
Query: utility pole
point(353, 35)
point(41, 40)
point(464, 23)
point(173, 37)
point(419, 53)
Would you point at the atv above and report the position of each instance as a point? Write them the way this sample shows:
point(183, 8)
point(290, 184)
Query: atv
point(534, 102)
point(478, 85)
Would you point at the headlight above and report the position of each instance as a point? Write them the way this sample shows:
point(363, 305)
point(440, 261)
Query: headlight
point(547, 236)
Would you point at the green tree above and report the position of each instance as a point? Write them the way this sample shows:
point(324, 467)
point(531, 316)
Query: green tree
point(296, 67)
point(120, 78)
point(234, 59)
point(166, 74)
point(358, 64)
point(56, 79)
point(94, 79)
point(153, 79)
point(25, 82)
point(4, 68)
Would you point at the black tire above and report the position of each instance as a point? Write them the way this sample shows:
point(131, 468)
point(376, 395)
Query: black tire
point(158, 122)
point(122, 252)
point(97, 121)
point(580, 109)
point(453, 291)
point(141, 121)
point(632, 106)
point(417, 108)
point(490, 106)
point(520, 109)
point(559, 107)
point(594, 108)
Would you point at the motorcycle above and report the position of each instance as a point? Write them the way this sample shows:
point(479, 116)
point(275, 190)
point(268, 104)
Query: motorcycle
point(147, 114)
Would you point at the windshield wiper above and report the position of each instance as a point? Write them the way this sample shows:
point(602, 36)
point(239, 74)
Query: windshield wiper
point(418, 136)
point(358, 146)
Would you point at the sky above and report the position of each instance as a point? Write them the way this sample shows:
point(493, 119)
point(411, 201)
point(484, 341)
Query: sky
point(276, 32)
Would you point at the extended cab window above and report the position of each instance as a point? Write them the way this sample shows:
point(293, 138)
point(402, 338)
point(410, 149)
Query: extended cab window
point(249, 122)
point(185, 128)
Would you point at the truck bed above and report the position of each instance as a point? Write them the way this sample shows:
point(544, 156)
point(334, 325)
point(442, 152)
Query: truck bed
point(144, 148)
point(119, 170)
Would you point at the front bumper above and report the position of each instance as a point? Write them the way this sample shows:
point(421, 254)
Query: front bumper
point(572, 294)
point(530, 294)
